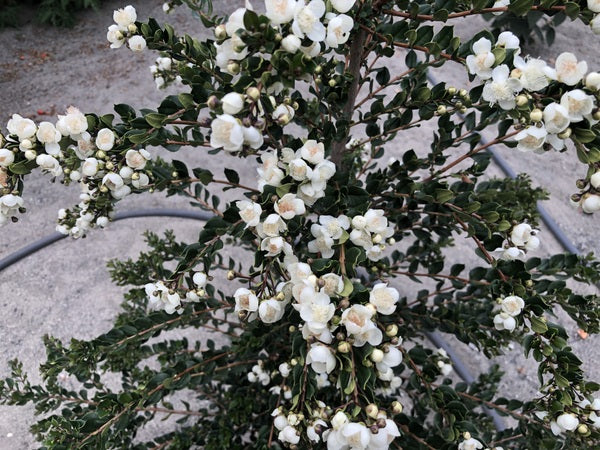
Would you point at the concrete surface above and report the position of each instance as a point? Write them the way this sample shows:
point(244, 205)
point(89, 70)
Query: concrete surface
point(65, 290)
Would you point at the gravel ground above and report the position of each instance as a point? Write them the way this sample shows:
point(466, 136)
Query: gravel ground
point(65, 290)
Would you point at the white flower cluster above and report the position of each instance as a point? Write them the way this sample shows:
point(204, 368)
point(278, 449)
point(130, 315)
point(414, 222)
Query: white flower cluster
point(590, 200)
point(505, 84)
point(569, 421)
point(594, 6)
point(370, 232)
point(162, 71)
point(511, 307)
point(259, 375)
point(295, 20)
point(443, 363)
point(470, 443)
point(523, 238)
point(124, 29)
point(162, 297)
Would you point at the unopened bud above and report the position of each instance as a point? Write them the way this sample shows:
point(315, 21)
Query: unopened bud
point(451, 90)
point(371, 307)
point(536, 115)
point(233, 67)
point(253, 93)
point(396, 407)
point(221, 32)
point(100, 154)
point(135, 176)
point(377, 355)
point(132, 28)
point(213, 102)
point(583, 429)
point(463, 93)
point(103, 189)
point(344, 347)
point(109, 165)
point(391, 330)
point(30, 155)
point(522, 100)
point(441, 110)
point(372, 410)
point(332, 82)
point(230, 275)
point(565, 134)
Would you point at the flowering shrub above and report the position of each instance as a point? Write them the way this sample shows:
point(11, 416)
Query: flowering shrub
point(319, 337)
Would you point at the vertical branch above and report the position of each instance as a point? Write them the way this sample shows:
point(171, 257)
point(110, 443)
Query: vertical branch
point(356, 60)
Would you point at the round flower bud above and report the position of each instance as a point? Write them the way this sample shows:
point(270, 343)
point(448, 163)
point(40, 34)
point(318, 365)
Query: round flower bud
point(253, 93)
point(391, 330)
point(592, 81)
point(536, 115)
point(441, 110)
point(30, 155)
point(522, 100)
point(232, 103)
point(344, 347)
point(377, 355)
point(591, 204)
point(372, 410)
point(396, 407)
point(221, 32)
point(137, 43)
point(565, 134)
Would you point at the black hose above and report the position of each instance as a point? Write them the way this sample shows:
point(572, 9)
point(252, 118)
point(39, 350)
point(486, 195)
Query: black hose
point(54, 237)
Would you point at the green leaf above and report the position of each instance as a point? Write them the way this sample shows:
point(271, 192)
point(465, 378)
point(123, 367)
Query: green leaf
point(538, 325)
point(155, 120)
point(348, 288)
point(232, 176)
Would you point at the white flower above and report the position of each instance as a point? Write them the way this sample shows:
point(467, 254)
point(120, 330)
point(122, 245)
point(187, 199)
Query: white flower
point(362, 238)
point(578, 104)
point(73, 124)
point(470, 444)
point(391, 359)
point(280, 11)
point(531, 73)
point(232, 103)
point(531, 139)
point(115, 36)
point(307, 20)
point(228, 50)
point(317, 313)
point(566, 422)
point(227, 133)
point(9, 205)
point(160, 297)
point(592, 81)
point(342, 6)
point(510, 253)
point(321, 358)
point(311, 432)
point(112, 181)
point(532, 244)
point(253, 137)
point(384, 436)
point(299, 170)
point(298, 272)
point(384, 298)
point(49, 164)
point(501, 89)
point(89, 168)
point(48, 134)
point(322, 172)
point(289, 206)
point(164, 63)
point(481, 62)
point(594, 179)
point(271, 310)
point(200, 279)
point(249, 212)
point(376, 222)
point(334, 284)
point(291, 43)
point(136, 159)
point(335, 226)
point(556, 118)
point(322, 243)
point(23, 128)
point(520, 234)
point(272, 245)
point(272, 226)
point(357, 435)
point(357, 320)
point(124, 17)
point(120, 192)
point(283, 113)
point(338, 30)
point(312, 151)
point(506, 39)
point(245, 300)
point(137, 43)
point(593, 5)
point(105, 139)
point(289, 434)
point(567, 69)
point(504, 321)
point(235, 21)
point(6, 157)
point(512, 305)
point(591, 204)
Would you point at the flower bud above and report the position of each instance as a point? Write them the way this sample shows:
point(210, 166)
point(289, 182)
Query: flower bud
point(451, 90)
point(581, 183)
point(233, 67)
point(391, 330)
point(100, 154)
point(463, 93)
point(230, 275)
point(377, 355)
point(371, 308)
point(30, 155)
point(332, 82)
point(372, 410)
point(213, 102)
point(253, 92)
point(583, 429)
point(522, 100)
point(344, 347)
point(595, 180)
point(396, 407)
point(132, 28)
point(536, 115)
point(221, 32)
point(565, 134)
point(441, 110)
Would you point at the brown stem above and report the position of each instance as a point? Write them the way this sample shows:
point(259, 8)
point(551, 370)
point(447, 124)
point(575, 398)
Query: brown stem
point(470, 12)
point(356, 60)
